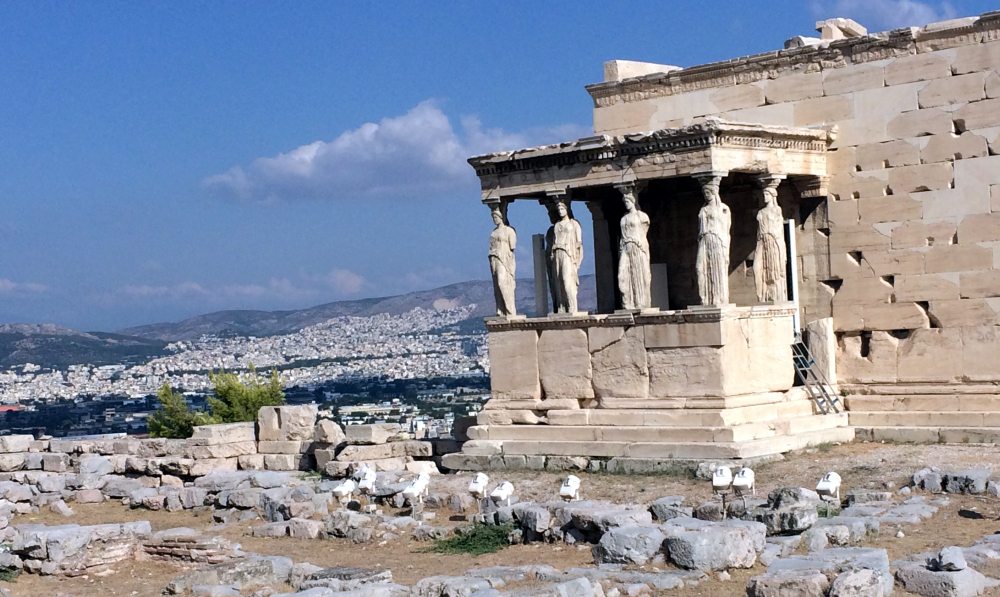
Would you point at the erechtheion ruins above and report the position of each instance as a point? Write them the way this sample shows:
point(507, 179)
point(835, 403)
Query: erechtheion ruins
point(846, 188)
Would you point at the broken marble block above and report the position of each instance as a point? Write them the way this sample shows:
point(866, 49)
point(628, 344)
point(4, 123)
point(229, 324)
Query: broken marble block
point(287, 423)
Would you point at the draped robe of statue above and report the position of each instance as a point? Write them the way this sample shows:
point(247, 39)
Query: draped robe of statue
point(566, 256)
point(550, 238)
point(712, 265)
point(503, 241)
point(633, 259)
point(770, 256)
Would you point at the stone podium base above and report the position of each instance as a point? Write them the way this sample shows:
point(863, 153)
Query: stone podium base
point(638, 388)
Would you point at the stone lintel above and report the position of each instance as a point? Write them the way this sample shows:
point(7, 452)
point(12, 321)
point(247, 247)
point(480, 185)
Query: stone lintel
point(543, 173)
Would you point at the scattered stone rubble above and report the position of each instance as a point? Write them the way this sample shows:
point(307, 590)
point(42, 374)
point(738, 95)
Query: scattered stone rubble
point(809, 546)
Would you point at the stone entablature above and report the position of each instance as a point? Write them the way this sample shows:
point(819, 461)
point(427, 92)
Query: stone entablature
point(712, 145)
point(806, 59)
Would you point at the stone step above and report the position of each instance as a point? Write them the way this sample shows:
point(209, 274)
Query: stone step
point(930, 435)
point(894, 418)
point(678, 450)
point(707, 417)
point(925, 402)
point(670, 434)
point(799, 441)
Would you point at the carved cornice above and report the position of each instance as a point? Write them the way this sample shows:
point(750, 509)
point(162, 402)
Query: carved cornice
point(703, 135)
point(770, 65)
point(693, 315)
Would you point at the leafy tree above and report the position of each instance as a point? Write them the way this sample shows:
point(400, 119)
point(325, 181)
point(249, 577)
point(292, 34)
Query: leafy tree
point(174, 419)
point(236, 401)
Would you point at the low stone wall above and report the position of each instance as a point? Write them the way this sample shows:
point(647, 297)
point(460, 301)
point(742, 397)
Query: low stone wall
point(284, 438)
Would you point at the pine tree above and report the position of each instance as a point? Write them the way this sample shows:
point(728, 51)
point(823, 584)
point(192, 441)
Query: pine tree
point(174, 419)
point(235, 400)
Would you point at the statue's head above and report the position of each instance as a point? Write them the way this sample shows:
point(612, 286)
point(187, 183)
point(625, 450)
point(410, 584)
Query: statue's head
point(770, 195)
point(628, 197)
point(710, 190)
point(497, 215)
point(562, 209)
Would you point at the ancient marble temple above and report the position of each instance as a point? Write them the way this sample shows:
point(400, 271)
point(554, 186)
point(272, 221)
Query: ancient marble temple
point(844, 189)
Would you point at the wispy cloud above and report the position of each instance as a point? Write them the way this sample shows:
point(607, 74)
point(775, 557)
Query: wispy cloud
point(886, 14)
point(11, 288)
point(337, 283)
point(416, 153)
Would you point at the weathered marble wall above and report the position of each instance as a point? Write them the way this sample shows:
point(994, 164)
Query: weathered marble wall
point(912, 222)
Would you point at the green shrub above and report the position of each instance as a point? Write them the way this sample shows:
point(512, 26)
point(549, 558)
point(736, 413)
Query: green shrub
point(237, 401)
point(475, 540)
point(9, 574)
point(174, 419)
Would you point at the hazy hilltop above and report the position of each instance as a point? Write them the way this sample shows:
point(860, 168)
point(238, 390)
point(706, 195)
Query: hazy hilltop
point(57, 347)
point(53, 346)
point(269, 323)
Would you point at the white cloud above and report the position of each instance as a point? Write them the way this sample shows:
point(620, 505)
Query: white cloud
point(336, 283)
point(11, 288)
point(345, 281)
point(877, 15)
point(416, 153)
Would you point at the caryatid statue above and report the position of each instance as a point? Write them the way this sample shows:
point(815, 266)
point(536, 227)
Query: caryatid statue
point(633, 258)
point(770, 257)
point(503, 241)
point(566, 254)
point(712, 265)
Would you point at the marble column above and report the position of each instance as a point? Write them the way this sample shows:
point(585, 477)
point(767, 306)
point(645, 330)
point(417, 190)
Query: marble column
point(770, 258)
point(714, 236)
point(604, 271)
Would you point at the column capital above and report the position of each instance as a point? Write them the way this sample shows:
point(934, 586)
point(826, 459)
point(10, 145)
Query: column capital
point(710, 176)
point(769, 180)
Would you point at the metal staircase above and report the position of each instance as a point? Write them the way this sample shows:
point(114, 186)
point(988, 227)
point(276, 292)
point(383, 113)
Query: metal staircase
point(815, 383)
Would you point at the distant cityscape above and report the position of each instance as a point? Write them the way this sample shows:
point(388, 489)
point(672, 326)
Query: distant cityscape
point(421, 369)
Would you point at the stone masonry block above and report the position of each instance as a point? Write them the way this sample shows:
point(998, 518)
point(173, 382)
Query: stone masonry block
point(976, 57)
point(923, 234)
point(957, 258)
point(923, 177)
point(979, 228)
point(378, 433)
point(926, 287)
point(980, 347)
point(15, 443)
point(917, 67)
point(978, 115)
point(894, 208)
point(851, 79)
point(948, 148)
point(692, 371)
point(211, 435)
point(514, 365)
point(954, 203)
point(564, 366)
point(953, 90)
point(822, 110)
point(917, 123)
point(983, 284)
point(964, 312)
point(791, 88)
point(281, 423)
point(618, 357)
point(933, 355)
point(894, 316)
point(283, 447)
point(874, 156)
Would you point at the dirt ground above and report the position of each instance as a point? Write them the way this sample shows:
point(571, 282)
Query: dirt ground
point(876, 466)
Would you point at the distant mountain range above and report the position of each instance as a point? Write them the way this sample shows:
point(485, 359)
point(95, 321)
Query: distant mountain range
point(54, 346)
point(49, 345)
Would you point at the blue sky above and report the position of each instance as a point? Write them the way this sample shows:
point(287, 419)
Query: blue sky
point(164, 159)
